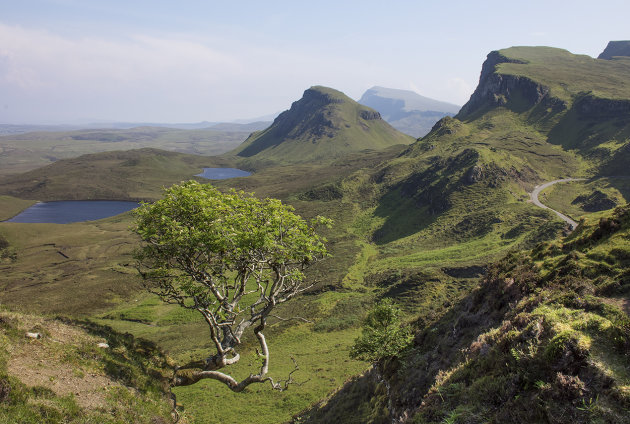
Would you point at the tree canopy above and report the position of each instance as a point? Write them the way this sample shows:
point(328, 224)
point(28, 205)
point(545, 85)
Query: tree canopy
point(382, 335)
point(230, 256)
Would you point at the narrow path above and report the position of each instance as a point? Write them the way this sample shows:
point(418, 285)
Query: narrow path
point(534, 196)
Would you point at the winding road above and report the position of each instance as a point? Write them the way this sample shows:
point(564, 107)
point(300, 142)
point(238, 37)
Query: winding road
point(534, 196)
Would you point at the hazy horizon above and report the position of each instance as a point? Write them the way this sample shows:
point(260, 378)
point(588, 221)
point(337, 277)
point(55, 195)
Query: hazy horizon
point(68, 61)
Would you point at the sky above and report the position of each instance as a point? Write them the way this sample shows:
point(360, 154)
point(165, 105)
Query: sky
point(72, 61)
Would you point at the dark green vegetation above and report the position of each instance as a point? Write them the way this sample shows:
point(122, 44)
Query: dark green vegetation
point(415, 223)
point(383, 336)
point(323, 125)
point(407, 111)
point(23, 152)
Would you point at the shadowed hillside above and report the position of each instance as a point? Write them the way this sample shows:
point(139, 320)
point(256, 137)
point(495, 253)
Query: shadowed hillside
point(614, 49)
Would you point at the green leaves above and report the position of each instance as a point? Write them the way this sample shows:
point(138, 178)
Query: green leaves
point(197, 237)
point(382, 334)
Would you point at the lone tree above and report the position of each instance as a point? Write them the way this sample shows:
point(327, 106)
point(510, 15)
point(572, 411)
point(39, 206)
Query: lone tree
point(232, 258)
point(382, 336)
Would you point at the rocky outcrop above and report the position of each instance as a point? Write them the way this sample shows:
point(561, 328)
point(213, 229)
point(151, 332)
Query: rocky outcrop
point(591, 107)
point(369, 115)
point(615, 48)
point(497, 89)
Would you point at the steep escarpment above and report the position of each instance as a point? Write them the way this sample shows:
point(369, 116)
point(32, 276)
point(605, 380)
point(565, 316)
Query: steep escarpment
point(615, 49)
point(496, 89)
point(580, 103)
point(323, 125)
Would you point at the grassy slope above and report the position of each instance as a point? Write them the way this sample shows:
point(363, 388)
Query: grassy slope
point(544, 338)
point(324, 125)
point(459, 195)
point(24, 152)
point(458, 198)
point(567, 74)
point(64, 377)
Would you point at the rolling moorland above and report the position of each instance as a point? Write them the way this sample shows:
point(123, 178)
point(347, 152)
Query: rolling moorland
point(515, 318)
point(31, 150)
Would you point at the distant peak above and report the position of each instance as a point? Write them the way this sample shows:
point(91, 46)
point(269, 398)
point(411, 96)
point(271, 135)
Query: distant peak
point(614, 49)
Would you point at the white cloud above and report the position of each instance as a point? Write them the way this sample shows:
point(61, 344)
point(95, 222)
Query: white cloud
point(46, 76)
point(65, 77)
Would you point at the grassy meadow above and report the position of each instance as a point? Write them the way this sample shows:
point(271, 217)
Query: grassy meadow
point(24, 152)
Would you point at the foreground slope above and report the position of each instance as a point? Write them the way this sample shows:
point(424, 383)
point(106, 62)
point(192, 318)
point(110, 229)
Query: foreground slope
point(544, 338)
point(323, 125)
point(406, 110)
point(78, 372)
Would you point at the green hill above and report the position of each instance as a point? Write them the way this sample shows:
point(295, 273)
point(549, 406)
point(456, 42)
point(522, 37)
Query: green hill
point(118, 175)
point(460, 194)
point(323, 125)
point(571, 100)
point(519, 348)
point(28, 151)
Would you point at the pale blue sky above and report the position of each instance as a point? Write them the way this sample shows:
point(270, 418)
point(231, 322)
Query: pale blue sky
point(188, 61)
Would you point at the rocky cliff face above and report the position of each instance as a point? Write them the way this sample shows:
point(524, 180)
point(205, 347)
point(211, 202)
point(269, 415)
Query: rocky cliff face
point(615, 48)
point(591, 107)
point(496, 89)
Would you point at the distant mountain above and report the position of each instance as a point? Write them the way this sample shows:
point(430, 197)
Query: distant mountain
point(406, 110)
point(244, 125)
point(323, 125)
point(615, 48)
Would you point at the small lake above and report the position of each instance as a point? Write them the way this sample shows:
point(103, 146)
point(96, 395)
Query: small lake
point(222, 173)
point(69, 211)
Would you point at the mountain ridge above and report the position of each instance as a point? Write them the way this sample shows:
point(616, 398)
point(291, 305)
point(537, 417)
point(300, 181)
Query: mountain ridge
point(324, 124)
